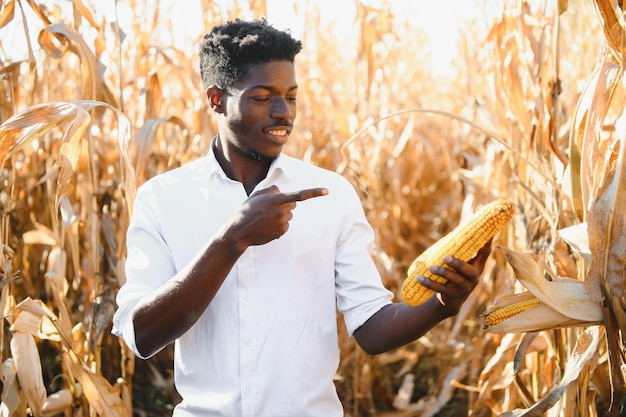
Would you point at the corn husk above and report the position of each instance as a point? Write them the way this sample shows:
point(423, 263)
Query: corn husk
point(28, 366)
point(564, 301)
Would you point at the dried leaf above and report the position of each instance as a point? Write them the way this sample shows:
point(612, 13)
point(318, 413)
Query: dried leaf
point(33, 122)
point(41, 235)
point(7, 12)
point(592, 149)
point(611, 24)
point(73, 41)
point(607, 223)
point(100, 394)
point(39, 11)
point(85, 12)
point(154, 97)
point(57, 402)
point(12, 399)
point(38, 308)
point(102, 315)
point(584, 351)
point(144, 139)
point(28, 366)
point(36, 325)
point(578, 238)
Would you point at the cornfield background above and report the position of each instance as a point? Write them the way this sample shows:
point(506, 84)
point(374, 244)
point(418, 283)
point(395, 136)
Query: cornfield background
point(533, 112)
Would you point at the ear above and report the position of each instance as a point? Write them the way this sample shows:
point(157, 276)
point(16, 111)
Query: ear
point(217, 98)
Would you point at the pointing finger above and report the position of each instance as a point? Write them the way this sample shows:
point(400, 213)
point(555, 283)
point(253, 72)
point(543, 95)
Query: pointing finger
point(303, 195)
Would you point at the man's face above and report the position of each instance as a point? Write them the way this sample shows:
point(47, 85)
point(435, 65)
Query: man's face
point(260, 110)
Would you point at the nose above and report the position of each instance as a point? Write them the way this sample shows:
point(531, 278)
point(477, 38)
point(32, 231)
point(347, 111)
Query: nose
point(282, 109)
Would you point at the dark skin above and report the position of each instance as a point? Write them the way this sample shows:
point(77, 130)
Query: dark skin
point(255, 117)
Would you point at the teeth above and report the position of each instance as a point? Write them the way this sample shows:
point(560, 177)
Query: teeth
point(277, 132)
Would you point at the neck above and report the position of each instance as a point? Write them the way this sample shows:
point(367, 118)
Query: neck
point(248, 169)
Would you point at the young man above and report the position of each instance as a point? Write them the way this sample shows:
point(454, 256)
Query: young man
point(242, 257)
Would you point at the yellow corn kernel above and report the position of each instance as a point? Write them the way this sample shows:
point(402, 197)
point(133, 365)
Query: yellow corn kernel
point(463, 243)
point(506, 312)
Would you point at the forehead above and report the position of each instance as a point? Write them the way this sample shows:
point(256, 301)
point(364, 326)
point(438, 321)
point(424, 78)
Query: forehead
point(278, 74)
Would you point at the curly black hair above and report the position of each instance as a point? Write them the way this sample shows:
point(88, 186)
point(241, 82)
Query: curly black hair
point(230, 48)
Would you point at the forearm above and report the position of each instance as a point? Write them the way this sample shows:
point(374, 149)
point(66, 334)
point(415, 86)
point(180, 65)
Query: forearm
point(398, 324)
point(163, 316)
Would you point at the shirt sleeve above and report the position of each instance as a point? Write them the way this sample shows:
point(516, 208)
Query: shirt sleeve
point(149, 264)
point(358, 284)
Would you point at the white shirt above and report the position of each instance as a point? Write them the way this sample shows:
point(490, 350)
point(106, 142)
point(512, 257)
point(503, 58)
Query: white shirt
point(267, 345)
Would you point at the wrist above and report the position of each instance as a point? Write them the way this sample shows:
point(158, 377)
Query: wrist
point(446, 309)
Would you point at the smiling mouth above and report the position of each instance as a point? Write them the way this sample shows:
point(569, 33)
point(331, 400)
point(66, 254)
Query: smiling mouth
point(279, 134)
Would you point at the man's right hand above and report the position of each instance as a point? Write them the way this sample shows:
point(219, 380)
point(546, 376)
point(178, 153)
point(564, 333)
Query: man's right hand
point(265, 215)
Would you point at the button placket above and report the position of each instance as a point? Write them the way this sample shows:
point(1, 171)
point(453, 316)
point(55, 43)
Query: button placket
point(247, 327)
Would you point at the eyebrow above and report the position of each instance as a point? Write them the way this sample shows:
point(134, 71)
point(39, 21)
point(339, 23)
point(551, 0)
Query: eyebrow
point(271, 88)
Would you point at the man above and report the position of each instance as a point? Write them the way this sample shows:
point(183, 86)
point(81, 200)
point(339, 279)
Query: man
point(242, 257)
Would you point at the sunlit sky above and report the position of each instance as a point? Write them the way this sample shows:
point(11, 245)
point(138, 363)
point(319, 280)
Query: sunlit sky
point(440, 20)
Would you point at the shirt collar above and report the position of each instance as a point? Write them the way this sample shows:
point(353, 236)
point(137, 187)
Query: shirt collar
point(280, 166)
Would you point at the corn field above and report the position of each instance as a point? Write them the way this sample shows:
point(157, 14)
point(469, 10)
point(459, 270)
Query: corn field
point(534, 113)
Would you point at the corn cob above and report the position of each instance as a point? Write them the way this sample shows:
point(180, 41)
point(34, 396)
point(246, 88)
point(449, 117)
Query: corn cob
point(463, 243)
point(508, 311)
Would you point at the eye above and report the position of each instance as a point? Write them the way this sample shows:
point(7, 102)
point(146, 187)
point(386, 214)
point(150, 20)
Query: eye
point(292, 98)
point(261, 99)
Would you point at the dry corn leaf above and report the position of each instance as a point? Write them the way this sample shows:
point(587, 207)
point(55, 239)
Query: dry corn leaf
point(85, 13)
point(79, 340)
point(39, 326)
point(71, 232)
point(56, 265)
point(577, 238)
point(154, 97)
point(57, 403)
point(610, 14)
point(39, 11)
point(100, 394)
point(101, 317)
point(41, 235)
point(28, 366)
point(7, 12)
point(12, 400)
point(71, 40)
point(607, 224)
point(593, 149)
point(32, 123)
point(38, 308)
point(37, 120)
point(143, 142)
point(63, 322)
point(584, 351)
point(577, 131)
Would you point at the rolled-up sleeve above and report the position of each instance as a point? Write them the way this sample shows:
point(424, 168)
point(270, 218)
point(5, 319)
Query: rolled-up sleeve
point(149, 264)
point(359, 288)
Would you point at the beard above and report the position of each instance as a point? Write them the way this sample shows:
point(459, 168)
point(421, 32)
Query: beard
point(255, 156)
point(246, 147)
